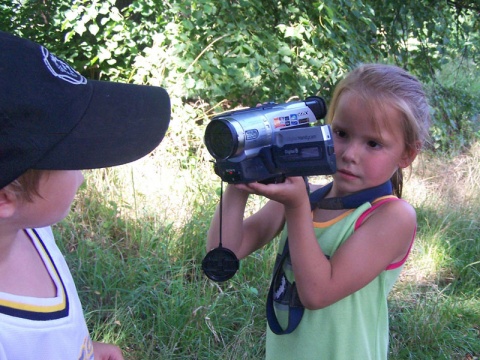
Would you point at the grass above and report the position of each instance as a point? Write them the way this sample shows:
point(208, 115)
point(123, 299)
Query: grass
point(136, 236)
point(435, 311)
point(134, 241)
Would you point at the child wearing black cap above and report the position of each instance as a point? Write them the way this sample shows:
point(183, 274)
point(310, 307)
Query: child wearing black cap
point(54, 123)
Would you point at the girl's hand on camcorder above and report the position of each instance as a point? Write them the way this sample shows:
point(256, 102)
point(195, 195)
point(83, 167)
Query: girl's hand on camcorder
point(291, 193)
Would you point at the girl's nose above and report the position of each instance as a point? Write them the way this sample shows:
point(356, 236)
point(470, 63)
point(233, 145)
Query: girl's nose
point(350, 152)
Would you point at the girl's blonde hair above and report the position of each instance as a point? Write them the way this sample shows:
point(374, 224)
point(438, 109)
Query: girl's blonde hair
point(380, 86)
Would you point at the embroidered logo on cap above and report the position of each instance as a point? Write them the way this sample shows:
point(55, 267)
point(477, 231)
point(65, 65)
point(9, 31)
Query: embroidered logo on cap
point(62, 70)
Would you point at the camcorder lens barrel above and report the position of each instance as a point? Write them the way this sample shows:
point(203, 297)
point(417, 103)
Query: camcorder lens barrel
point(221, 139)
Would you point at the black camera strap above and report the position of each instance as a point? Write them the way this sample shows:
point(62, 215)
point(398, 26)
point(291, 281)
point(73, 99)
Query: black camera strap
point(317, 199)
point(220, 263)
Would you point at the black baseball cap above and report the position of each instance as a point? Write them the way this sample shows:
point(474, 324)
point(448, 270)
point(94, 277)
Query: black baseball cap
point(53, 118)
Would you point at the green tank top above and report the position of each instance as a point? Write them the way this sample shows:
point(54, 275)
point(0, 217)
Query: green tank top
point(355, 327)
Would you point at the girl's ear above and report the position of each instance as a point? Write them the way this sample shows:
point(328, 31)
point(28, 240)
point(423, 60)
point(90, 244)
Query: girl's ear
point(8, 203)
point(409, 155)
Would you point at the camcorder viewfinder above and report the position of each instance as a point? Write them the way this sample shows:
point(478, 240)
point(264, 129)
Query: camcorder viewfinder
point(271, 142)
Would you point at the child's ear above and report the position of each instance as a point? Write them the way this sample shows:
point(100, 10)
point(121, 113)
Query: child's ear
point(8, 203)
point(409, 155)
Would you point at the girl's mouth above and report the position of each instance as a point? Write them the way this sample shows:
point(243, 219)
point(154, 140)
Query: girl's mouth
point(347, 174)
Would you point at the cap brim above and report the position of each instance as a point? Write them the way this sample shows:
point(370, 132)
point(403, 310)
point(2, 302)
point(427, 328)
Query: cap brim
point(122, 123)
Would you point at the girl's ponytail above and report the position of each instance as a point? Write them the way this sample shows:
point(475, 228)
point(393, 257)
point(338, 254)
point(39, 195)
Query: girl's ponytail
point(397, 183)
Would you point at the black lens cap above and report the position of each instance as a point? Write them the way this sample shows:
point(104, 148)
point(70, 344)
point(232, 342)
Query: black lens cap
point(220, 264)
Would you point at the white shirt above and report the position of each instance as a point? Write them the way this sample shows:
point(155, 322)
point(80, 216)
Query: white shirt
point(45, 328)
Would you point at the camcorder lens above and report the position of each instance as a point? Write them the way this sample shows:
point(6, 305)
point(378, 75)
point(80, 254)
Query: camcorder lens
point(221, 139)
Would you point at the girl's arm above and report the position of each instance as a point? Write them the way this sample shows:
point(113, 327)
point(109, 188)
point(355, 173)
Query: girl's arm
point(244, 236)
point(382, 239)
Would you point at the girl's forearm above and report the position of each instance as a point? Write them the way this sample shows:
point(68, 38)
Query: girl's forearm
point(233, 208)
point(312, 269)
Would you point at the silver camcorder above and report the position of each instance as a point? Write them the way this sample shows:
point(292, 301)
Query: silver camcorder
point(271, 142)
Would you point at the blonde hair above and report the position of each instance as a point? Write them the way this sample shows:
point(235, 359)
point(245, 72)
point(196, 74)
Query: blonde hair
point(379, 86)
point(25, 187)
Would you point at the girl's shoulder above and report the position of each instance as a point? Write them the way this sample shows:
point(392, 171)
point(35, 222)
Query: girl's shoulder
point(389, 210)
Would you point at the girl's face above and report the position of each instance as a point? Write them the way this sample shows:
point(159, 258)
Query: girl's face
point(57, 190)
point(368, 152)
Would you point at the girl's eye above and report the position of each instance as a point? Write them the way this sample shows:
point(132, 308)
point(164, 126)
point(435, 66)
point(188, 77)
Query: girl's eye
point(373, 144)
point(340, 133)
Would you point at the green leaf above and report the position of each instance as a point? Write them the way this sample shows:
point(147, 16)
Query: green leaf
point(93, 29)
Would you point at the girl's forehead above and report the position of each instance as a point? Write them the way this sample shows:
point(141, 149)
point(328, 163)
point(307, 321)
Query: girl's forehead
point(369, 113)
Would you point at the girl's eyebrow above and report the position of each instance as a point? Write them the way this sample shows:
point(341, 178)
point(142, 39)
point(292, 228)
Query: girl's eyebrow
point(337, 123)
point(340, 126)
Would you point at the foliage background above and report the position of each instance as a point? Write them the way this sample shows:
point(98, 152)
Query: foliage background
point(222, 53)
point(136, 235)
